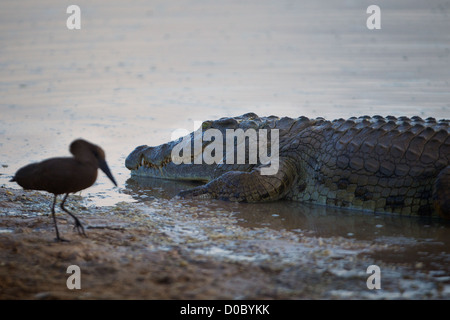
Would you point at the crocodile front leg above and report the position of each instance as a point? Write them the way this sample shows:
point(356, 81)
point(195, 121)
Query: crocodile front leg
point(248, 186)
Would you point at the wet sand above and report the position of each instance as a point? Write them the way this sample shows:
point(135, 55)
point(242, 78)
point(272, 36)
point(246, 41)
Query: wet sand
point(176, 249)
point(134, 74)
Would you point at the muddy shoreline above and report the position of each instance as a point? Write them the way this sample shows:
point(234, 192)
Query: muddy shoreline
point(139, 251)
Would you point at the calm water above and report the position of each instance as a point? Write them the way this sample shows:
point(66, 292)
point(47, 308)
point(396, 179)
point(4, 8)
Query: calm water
point(135, 73)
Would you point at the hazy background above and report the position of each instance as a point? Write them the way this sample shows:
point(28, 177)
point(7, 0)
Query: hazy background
point(138, 70)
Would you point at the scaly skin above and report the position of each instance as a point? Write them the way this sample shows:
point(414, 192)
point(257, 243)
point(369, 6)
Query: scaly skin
point(378, 164)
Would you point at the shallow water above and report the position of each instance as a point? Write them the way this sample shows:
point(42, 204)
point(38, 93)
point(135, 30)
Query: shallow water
point(424, 241)
point(134, 74)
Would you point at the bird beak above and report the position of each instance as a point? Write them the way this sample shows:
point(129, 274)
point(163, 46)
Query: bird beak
point(102, 164)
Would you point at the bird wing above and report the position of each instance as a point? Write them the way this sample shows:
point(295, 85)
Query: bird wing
point(53, 175)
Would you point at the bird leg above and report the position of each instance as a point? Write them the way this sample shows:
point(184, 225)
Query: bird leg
point(78, 224)
point(58, 238)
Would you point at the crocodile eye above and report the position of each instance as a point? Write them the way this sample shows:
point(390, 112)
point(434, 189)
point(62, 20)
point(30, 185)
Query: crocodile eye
point(206, 124)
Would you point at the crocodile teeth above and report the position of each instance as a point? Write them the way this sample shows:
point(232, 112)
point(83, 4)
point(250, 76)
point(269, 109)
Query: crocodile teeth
point(203, 196)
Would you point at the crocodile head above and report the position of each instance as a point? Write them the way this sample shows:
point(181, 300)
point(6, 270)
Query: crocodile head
point(156, 162)
point(161, 161)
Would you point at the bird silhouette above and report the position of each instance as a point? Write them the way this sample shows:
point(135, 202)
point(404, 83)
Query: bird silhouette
point(65, 175)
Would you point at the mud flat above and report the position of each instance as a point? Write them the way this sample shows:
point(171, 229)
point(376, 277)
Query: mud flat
point(169, 249)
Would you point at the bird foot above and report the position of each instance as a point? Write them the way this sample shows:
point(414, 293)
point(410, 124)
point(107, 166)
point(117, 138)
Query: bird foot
point(61, 239)
point(79, 227)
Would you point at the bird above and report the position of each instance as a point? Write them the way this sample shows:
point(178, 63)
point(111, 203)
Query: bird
point(65, 175)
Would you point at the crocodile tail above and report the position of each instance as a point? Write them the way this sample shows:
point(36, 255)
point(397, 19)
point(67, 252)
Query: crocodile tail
point(441, 193)
point(248, 186)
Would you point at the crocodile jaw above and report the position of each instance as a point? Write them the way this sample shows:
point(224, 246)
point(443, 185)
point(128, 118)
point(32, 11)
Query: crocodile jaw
point(156, 162)
point(173, 172)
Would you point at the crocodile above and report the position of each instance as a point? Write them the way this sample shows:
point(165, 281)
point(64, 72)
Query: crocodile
point(379, 164)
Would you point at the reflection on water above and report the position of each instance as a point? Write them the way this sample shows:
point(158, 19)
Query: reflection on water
point(420, 244)
point(144, 189)
point(289, 215)
point(425, 240)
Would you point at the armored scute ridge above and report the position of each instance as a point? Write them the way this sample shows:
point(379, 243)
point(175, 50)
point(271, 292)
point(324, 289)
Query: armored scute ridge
point(378, 164)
